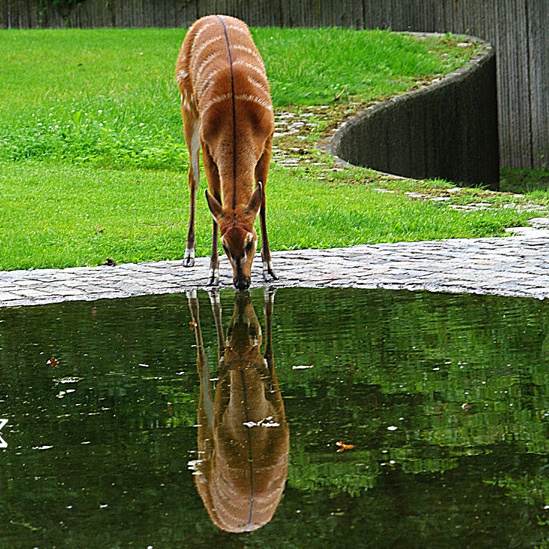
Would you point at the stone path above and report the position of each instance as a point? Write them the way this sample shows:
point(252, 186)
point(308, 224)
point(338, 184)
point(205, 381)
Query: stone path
point(513, 266)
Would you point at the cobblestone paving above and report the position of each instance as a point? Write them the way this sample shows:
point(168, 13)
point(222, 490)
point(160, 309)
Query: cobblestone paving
point(513, 266)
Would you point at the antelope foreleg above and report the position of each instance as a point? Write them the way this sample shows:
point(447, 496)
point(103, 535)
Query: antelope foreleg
point(214, 259)
point(212, 175)
point(268, 271)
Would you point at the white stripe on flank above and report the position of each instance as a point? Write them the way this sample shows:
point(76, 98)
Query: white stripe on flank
point(181, 75)
point(213, 101)
point(259, 85)
point(238, 28)
point(251, 66)
point(206, 62)
point(196, 54)
point(255, 99)
point(208, 82)
point(203, 29)
point(249, 51)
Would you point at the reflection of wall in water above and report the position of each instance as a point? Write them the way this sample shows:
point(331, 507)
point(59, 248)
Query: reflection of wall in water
point(243, 437)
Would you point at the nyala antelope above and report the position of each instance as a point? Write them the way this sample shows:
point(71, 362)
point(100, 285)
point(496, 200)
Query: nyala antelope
point(227, 111)
point(243, 436)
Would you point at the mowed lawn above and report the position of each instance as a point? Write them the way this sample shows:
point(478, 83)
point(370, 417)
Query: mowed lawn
point(93, 163)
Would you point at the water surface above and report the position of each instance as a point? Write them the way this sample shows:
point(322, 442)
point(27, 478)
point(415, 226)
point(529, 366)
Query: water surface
point(444, 399)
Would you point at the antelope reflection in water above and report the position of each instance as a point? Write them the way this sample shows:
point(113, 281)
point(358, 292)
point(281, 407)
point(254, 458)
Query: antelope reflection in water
point(243, 437)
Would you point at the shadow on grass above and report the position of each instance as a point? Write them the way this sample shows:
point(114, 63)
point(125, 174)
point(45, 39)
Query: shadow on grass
point(524, 181)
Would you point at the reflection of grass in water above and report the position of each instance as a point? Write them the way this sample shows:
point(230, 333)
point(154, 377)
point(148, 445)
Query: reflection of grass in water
point(335, 474)
point(26, 525)
point(381, 359)
point(529, 489)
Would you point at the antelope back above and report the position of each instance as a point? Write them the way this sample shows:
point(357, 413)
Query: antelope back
point(221, 75)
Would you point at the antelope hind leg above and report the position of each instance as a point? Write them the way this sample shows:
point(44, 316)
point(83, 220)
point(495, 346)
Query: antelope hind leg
point(190, 126)
point(261, 172)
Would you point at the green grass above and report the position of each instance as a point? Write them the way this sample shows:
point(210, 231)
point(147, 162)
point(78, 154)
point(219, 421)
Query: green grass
point(312, 67)
point(62, 216)
point(93, 163)
point(108, 96)
point(531, 181)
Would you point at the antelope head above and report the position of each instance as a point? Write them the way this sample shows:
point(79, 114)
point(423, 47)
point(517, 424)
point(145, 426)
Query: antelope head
point(238, 235)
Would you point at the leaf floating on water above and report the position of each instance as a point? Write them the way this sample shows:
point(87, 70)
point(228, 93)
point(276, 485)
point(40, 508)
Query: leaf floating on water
point(343, 446)
point(53, 362)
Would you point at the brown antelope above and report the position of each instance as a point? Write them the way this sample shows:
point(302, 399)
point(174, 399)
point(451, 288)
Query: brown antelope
point(243, 437)
point(227, 111)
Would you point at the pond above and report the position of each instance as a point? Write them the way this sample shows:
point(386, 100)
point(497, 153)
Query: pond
point(330, 418)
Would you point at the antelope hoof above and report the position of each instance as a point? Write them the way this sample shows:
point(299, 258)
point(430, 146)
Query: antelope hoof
point(214, 278)
point(268, 272)
point(191, 294)
point(188, 260)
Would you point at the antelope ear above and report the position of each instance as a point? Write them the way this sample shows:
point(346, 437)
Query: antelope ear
point(214, 205)
point(257, 198)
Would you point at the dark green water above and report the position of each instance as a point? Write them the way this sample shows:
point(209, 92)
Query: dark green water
point(444, 397)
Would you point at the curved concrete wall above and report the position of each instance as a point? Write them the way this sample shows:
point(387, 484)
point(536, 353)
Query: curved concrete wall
point(446, 130)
